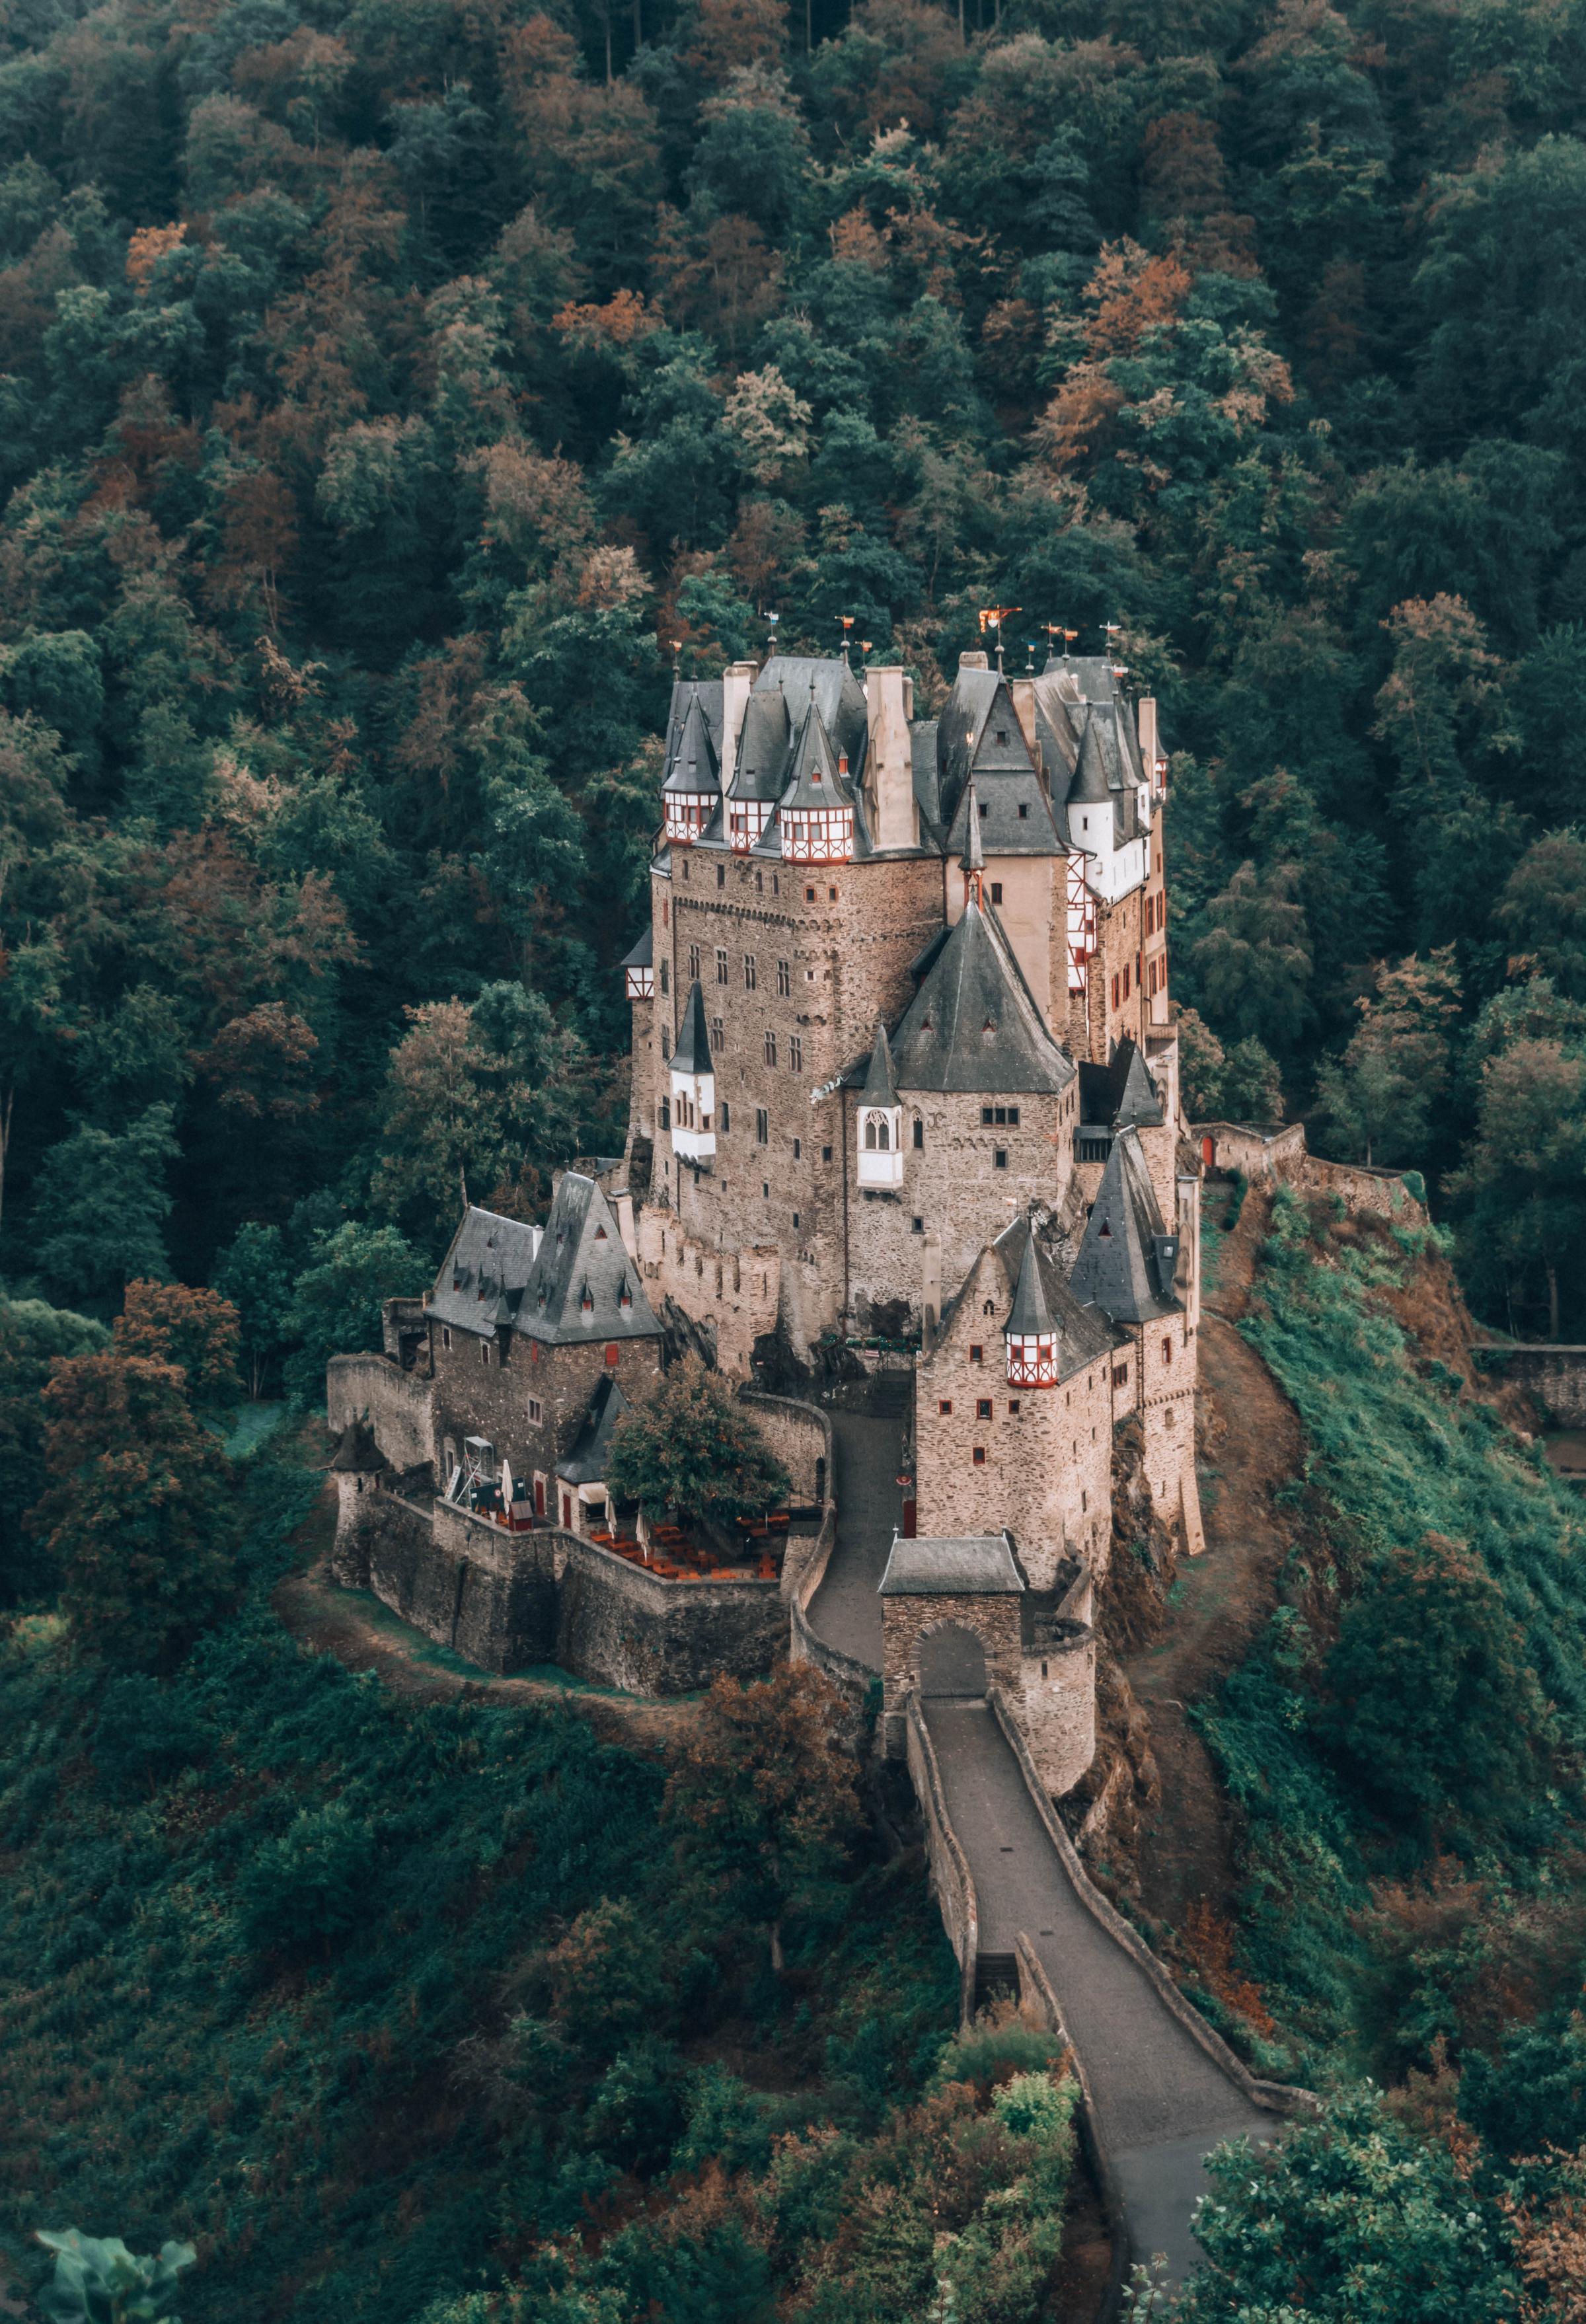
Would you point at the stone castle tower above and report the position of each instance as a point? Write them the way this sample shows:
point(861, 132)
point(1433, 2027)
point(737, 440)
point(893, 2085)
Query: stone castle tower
point(904, 1066)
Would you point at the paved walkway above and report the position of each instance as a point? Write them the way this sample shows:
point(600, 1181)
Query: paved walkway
point(846, 1609)
point(1161, 2103)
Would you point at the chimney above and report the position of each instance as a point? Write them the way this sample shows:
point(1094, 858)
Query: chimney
point(737, 681)
point(1146, 727)
point(1023, 690)
point(972, 661)
point(889, 773)
point(623, 1205)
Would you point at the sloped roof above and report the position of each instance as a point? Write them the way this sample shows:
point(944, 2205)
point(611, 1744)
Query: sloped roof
point(583, 1255)
point(763, 747)
point(973, 1025)
point(1122, 1095)
point(691, 1053)
point(1004, 830)
point(694, 763)
point(881, 1087)
point(962, 1565)
point(977, 734)
point(813, 781)
point(839, 697)
point(482, 1277)
point(1126, 1256)
point(1030, 1316)
point(642, 954)
point(585, 1463)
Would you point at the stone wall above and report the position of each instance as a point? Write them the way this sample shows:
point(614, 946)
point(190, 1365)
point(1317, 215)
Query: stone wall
point(1046, 1474)
point(498, 1398)
point(1553, 1376)
point(397, 1404)
point(504, 1600)
point(1281, 1154)
point(733, 1294)
point(1383, 1191)
point(1057, 1707)
point(952, 1882)
point(800, 1436)
point(904, 1621)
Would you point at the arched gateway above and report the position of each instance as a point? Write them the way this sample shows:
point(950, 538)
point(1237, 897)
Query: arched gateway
point(951, 1613)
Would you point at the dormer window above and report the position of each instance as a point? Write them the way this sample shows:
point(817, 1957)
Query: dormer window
point(586, 1301)
point(1001, 733)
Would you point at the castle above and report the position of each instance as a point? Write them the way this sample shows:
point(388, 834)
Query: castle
point(904, 1077)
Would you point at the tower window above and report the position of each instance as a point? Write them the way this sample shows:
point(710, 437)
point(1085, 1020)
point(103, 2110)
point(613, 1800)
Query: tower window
point(980, 1456)
point(1013, 1403)
point(919, 1226)
point(762, 1126)
point(750, 974)
point(771, 1048)
point(795, 1053)
point(1000, 1158)
point(721, 875)
point(825, 1153)
point(694, 963)
point(976, 1354)
point(725, 1114)
point(982, 1410)
point(784, 979)
point(718, 1034)
point(996, 892)
point(809, 895)
point(945, 1405)
point(721, 964)
point(1023, 811)
point(666, 976)
point(797, 1150)
point(919, 1134)
point(534, 1412)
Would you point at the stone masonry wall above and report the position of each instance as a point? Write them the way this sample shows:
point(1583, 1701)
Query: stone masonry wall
point(800, 1436)
point(495, 1399)
point(1046, 1473)
point(952, 1183)
point(504, 1600)
point(1555, 1376)
point(397, 1403)
point(904, 1621)
point(1057, 1709)
point(811, 971)
point(735, 1294)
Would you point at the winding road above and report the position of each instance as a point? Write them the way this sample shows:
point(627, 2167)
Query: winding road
point(1159, 2101)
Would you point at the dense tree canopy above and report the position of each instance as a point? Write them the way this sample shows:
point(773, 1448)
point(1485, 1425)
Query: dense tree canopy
point(387, 393)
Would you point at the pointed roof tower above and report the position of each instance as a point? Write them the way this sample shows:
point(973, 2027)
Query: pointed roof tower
point(973, 1023)
point(1029, 1315)
point(972, 862)
point(694, 768)
point(1126, 1257)
point(881, 1087)
point(692, 1054)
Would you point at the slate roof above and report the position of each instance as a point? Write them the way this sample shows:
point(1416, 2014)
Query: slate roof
point(1126, 1256)
point(881, 1087)
point(642, 954)
point(968, 1565)
point(691, 1053)
point(761, 771)
point(973, 1024)
point(582, 1252)
point(585, 1463)
point(1030, 1316)
point(813, 781)
point(1121, 1095)
point(1080, 1334)
point(483, 1274)
point(695, 760)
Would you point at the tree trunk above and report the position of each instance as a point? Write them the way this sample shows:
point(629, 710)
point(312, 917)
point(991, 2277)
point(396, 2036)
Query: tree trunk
point(778, 1963)
point(1552, 1273)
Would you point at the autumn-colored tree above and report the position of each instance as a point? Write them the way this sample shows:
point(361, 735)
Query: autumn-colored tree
point(764, 1797)
point(138, 1516)
point(196, 1330)
point(1382, 1094)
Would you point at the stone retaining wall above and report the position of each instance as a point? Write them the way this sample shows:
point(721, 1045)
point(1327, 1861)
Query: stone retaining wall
point(397, 1403)
point(506, 1600)
point(951, 1881)
point(1553, 1376)
point(1280, 1154)
point(800, 1436)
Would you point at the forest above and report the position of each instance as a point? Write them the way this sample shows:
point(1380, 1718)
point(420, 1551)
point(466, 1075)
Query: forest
point(392, 392)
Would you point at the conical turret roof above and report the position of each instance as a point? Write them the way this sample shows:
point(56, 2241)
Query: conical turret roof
point(879, 1088)
point(694, 770)
point(692, 1054)
point(1122, 1263)
point(1029, 1317)
point(974, 1024)
point(814, 782)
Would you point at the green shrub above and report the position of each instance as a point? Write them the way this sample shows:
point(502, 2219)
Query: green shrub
point(311, 1884)
point(98, 2280)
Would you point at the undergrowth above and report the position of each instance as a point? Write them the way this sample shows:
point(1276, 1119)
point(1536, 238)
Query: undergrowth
point(1404, 1743)
point(279, 1973)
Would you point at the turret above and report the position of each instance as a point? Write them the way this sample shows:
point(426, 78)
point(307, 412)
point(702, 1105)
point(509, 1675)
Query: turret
point(692, 792)
point(1031, 1334)
point(693, 1084)
point(815, 813)
point(880, 1121)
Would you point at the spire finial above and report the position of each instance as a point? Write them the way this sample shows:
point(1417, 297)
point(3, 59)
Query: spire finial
point(972, 862)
